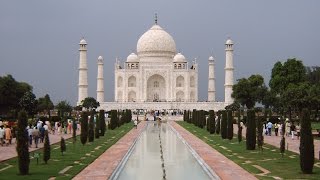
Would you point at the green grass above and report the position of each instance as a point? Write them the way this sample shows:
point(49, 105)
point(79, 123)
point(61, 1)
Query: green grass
point(287, 167)
point(58, 162)
point(315, 125)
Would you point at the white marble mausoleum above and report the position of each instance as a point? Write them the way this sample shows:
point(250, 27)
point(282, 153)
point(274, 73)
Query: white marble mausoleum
point(157, 77)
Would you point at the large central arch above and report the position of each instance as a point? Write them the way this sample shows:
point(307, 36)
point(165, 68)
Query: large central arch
point(156, 88)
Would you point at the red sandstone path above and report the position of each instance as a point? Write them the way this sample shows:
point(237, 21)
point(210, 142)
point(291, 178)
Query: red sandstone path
point(105, 164)
point(293, 145)
point(8, 152)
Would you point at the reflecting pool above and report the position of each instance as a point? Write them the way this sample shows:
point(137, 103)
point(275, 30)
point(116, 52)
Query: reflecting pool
point(160, 154)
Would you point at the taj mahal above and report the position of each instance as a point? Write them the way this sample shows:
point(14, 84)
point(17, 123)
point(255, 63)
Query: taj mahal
point(157, 77)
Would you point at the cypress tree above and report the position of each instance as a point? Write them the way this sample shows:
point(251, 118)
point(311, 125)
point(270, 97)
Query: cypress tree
point(63, 147)
point(102, 123)
point(239, 127)
point(212, 122)
point(97, 129)
point(193, 117)
point(201, 119)
point(84, 128)
point(251, 130)
point(74, 130)
point(91, 127)
point(282, 145)
point(113, 121)
point(259, 134)
point(229, 125)
point(22, 143)
point(208, 123)
point(218, 123)
point(184, 115)
point(306, 144)
point(46, 147)
point(224, 125)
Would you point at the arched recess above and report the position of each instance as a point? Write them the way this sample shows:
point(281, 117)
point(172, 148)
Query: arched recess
point(180, 81)
point(119, 81)
point(180, 96)
point(192, 96)
point(192, 81)
point(156, 88)
point(132, 81)
point(132, 96)
point(119, 96)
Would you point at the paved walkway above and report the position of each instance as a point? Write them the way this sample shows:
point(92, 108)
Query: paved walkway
point(8, 152)
point(222, 166)
point(293, 145)
point(103, 167)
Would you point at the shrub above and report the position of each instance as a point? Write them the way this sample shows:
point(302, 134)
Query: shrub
point(91, 127)
point(251, 130)
point(63, 147)
point(229, 125)
point(22, 144)
point(102, 123)
point(46, 147)
point(113, 121)
point(224, 125)
point(212, 122)
point(84, 128)
point(218, 123)
point(306, 144)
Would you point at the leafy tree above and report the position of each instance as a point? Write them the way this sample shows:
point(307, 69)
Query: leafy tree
point(46, 147)
point(249, 91)
point(22, 144)
point(63, 108)
point(63, 146)
point(84, 128)
point(224, 125)
point(229, 125)
point(90, 103)
point(102, 122)
point(45, 104)
point(28, 102)
point(91, 127)
point(235, 106)
point(251, 130)
point(11, 92)
point(306, 144)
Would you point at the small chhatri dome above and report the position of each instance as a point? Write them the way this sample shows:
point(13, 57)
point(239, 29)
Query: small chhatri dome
point(84, 42)
point(156, 41)
point(132, 58)
point(100, 58)
point(229, 42)
point(179, 58)
point(211, 58)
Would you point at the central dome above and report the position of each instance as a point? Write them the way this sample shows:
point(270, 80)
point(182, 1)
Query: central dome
point(156, 42)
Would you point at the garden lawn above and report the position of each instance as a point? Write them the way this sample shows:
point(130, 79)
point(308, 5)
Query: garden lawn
point(270, 159)
point(77, 155)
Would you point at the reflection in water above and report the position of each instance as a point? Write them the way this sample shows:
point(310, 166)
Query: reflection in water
point(145, 162)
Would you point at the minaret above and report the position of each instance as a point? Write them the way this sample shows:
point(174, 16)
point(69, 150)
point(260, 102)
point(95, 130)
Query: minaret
point(83, 72)
point(211, 81)
point(100, 88)
point(229, 72)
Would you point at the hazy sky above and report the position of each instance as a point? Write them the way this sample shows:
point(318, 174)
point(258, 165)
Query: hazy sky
point(39, 40)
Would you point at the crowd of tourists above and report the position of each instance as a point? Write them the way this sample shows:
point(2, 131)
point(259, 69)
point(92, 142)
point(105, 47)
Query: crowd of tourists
point(290, 129)
point(6, 133)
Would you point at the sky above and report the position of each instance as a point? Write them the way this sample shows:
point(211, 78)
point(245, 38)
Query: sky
point(39, 40)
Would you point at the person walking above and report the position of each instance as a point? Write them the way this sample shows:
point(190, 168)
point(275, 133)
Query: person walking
point(276, 129)
point(35, 135)
point(8, 135)
point(30, 130)
point(42, 130)
point(136, 123)
point(269, 126)
point(293, 130)
point(287, 127)
point(1, 135)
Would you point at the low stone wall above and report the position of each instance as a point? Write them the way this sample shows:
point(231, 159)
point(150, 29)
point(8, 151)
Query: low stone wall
point(163, 105)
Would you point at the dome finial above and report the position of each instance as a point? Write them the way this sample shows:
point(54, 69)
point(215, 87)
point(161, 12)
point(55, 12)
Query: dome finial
point(156, 18)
